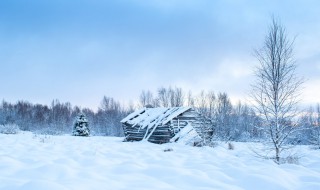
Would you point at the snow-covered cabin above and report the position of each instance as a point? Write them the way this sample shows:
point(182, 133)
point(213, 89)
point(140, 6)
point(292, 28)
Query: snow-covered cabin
point(162, 125)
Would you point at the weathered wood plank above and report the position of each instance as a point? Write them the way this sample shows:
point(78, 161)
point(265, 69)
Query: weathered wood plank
point(163, 134)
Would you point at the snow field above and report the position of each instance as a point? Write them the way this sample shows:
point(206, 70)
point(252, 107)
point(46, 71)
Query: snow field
point(29, 161)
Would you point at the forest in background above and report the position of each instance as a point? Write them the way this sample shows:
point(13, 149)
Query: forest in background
point(238, 122)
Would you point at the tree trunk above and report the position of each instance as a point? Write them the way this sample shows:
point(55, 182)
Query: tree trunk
point(277, 155)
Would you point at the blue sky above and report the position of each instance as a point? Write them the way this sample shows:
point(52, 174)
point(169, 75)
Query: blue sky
point(79, 51)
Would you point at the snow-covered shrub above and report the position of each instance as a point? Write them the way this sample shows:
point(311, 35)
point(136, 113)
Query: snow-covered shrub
point(230, 146)
point(168, 150)
point(244, 136)
point(81, 126)
point(44, 138)
point(213, 144)
point(41, 138)
point(315, 137)
point(48, 131)
point(9, 129)
point(292, 159)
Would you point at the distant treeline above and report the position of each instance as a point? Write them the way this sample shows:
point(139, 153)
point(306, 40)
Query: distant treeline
point(58, 118)
point(231, 122)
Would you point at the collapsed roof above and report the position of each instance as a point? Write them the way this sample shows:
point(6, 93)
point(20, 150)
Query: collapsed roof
point(150, 117)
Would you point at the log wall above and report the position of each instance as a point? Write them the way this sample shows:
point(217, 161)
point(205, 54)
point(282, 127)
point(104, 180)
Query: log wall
point(163, 134)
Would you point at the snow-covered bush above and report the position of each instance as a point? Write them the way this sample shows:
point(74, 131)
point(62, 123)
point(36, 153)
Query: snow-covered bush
point(244, 136)
point(41, 138)
point(48, 131)
point(315, 137)
point(230, 146)
point(292, 160)
point(81, 126)
point(9, 129)
point(213, 144)
point(168, 150)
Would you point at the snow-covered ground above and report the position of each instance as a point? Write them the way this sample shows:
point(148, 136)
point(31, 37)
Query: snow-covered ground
point(66, 162)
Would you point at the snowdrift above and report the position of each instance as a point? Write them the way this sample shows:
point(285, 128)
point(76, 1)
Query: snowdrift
point(29, 161)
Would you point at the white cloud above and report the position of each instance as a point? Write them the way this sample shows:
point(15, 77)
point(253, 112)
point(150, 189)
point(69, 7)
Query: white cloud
point(232, 75)
point(311, 92)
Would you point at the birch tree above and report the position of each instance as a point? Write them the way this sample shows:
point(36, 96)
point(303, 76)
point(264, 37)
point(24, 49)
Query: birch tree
point(276, 90)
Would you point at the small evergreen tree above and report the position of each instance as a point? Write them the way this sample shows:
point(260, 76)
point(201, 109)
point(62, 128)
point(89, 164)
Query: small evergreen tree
point(81, 126)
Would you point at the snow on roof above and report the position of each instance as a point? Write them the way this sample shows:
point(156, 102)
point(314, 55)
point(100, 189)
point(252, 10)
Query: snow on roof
point(150, 117)
point(132, 115)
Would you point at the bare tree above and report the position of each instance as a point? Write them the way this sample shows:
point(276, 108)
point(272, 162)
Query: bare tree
point(170, 97)
point(163, 97)
point(190, 99)
point(178, 97)
point(276, 90)
point(315, 128)
point(201, 103)
point(211, 100)
point(223, 117)
point(109, 115)
point(146, 99)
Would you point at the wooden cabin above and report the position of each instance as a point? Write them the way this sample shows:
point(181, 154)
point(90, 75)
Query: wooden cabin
point(162, 125)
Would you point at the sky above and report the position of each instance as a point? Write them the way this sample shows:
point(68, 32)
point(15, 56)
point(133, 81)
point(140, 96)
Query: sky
point(81, 50)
